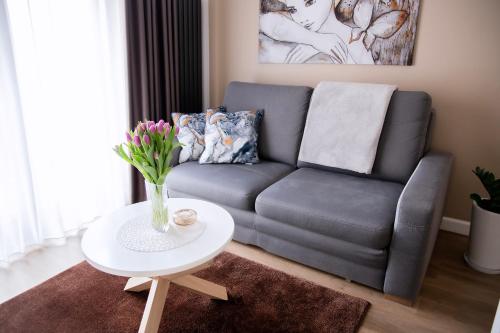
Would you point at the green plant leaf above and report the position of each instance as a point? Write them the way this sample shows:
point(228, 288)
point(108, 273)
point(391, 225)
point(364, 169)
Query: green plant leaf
point(168, 163)
point(152, 172)
point(161, 179)
point(143, 172)
point(476, 197)
point(123, 154)
point(161, 160)
point(149, 157)
point(492, 186)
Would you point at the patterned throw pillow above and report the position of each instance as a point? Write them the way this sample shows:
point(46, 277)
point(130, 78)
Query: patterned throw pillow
point(191, 133)
point(231, 137)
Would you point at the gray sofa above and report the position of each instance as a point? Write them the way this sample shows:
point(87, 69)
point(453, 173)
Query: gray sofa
point(378, 229)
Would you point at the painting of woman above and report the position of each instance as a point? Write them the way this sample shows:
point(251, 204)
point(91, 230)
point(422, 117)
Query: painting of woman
point(337, 32)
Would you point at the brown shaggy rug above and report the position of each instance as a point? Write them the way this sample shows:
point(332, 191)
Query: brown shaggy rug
point(83, 299)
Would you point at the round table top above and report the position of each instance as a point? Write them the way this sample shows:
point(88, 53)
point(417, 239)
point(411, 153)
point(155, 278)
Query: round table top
point(102, 249)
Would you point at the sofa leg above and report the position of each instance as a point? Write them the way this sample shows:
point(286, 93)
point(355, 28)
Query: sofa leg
point(399, 300)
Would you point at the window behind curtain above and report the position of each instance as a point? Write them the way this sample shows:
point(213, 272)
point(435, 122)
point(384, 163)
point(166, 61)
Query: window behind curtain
point(68, 101)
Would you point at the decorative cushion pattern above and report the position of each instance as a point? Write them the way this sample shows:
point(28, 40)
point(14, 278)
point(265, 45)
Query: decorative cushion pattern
point(191, 135)
point(231, 137)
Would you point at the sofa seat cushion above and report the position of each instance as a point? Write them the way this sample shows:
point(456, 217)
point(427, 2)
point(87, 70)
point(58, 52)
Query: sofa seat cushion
point(234, 185)
point(353, 209)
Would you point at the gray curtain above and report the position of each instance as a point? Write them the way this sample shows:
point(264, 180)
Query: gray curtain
point(164, 63)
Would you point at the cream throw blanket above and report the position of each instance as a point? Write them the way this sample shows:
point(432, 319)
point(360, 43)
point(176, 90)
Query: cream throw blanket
point(344, 123)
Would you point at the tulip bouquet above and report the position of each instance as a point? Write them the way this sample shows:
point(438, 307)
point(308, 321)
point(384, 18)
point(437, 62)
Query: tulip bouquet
point(150, 149)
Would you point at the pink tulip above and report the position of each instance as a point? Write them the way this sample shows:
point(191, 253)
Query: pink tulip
point(143, 127)
point(150, 123)
point(138, 129)
point(161, 123)
point(127, 135)
point(147, 140)
point(137, 141)
point(167, 129)
point(159, 127)
point(152, 128)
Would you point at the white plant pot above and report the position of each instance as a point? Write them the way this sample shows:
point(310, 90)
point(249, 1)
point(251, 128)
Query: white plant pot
point(483, 253)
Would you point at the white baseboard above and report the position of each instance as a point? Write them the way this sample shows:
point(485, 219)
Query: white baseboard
point(457, 226)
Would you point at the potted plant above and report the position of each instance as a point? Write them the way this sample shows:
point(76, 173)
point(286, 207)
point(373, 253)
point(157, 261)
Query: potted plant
point(149, 148)
point(483, 253)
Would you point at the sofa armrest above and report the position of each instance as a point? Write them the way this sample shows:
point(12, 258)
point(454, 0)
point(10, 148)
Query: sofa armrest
point(418, 218)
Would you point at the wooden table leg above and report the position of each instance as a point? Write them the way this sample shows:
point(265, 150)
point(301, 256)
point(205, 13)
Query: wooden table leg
point(201, 286)
point(137, 284)
point(154, 306)
point(158, 289)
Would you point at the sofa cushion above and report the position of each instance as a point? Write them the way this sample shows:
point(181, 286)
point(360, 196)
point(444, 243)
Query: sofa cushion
point(285, 109)
point(403, 139)
point(234, 185)
point(350, 208)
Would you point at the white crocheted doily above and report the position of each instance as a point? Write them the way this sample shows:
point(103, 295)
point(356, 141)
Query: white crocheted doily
point(138, 235)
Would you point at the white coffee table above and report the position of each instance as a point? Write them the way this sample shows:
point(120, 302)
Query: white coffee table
point(156, 270)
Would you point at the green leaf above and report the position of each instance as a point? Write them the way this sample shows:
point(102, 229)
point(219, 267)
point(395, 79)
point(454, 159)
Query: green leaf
point(143, 172)
point(149, 157)
point(161, 179)
point(139, 159)
point(492, 186)
point(167, 163)
point(177, 145)
point(120, 152)
point(123, 154)
point(161, 160)
point(476, 197)
point(152, 172)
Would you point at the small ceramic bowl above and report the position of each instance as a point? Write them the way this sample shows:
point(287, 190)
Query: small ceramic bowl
point(185, 217)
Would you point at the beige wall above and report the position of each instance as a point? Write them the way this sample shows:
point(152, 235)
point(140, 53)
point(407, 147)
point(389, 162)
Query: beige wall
point(457, 61)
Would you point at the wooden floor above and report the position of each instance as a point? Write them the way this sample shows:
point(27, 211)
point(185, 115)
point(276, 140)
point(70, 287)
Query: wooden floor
point(454, 297)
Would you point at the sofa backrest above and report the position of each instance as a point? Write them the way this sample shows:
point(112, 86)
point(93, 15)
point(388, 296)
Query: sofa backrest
point(285, 109)
point(403, 138)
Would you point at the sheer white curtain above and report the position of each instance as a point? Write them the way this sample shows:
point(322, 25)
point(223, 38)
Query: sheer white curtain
point(63, 105)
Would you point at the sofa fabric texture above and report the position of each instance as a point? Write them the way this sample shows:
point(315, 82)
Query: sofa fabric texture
point(403, 139)
point(325, 261)
point(418, 218)
point(234, 185)
point(342, 249)
point(285, 110)
point(341, 206)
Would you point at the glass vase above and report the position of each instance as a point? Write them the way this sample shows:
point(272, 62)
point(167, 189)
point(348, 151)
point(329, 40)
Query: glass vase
point(157, 196)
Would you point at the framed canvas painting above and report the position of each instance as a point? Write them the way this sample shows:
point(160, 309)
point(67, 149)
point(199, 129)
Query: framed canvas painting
point(380, 32)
